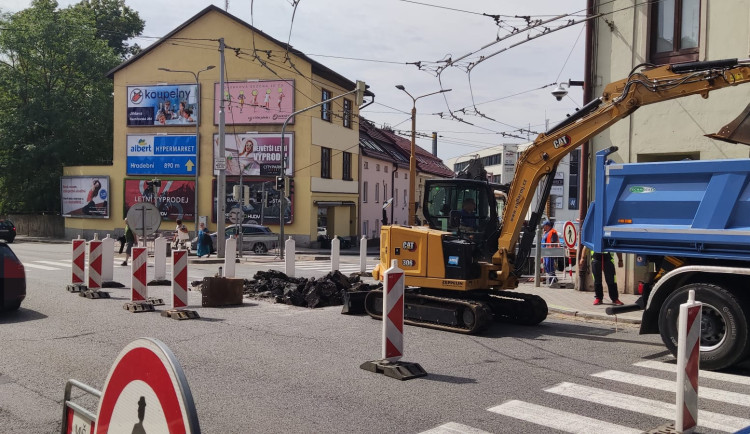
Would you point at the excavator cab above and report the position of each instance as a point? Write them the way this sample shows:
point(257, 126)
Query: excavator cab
point(465, 207)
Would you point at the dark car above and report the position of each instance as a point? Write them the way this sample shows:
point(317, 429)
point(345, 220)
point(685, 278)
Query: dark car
point(7, 230)
point(12, 279)
point(256, 238)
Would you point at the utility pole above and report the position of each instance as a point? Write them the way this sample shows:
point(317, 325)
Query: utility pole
point(221, 182)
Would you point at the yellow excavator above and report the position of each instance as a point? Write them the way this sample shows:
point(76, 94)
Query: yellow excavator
point(461, 267)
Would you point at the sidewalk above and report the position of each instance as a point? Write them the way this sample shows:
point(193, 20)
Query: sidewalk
point(559, 300)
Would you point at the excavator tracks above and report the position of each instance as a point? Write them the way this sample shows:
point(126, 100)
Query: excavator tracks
point(464, 315)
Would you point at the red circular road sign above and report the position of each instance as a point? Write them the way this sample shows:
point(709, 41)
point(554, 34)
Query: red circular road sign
point(570, 234)
point(146, 392)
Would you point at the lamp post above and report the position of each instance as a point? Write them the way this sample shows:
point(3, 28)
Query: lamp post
point(413, 157)
point(196, 75)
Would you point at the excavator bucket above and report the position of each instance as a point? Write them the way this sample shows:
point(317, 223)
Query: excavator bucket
point(737, 131)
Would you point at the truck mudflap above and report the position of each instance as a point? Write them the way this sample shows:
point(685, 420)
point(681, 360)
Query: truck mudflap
point(464, 315)
point(639, 304)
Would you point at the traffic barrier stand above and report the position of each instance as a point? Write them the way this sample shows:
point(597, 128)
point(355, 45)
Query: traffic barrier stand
point(688, 361)
point(160, 263)
point(557, 251)
point(179, 288)
point(75, 417)
point(95, 271)
point(393, 331)
point(108, 256)
point(78, 262)
point(138, 289)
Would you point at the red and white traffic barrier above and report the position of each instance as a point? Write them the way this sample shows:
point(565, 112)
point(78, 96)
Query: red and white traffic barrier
point(78, 261)
point(95, 263)
point(179, 279)
point(139, 290)
point(688, 360)
point(393, 313)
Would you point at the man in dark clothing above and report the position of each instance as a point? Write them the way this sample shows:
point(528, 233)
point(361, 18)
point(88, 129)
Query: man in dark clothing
point(603, 263)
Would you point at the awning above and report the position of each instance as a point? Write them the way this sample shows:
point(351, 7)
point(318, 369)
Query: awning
point(329, 203)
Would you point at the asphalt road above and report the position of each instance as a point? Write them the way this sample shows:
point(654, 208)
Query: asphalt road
point(264, 367)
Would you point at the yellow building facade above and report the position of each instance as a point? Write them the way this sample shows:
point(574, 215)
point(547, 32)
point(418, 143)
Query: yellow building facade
point(264, 82)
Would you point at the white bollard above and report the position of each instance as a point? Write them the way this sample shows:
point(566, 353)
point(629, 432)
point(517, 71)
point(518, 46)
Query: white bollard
point(393, 313)
point(95, 263)
point(363, 255)
point(335, 252)
point(179, 279)
point(160, 258)
point(290, 249)
point(230, 256)
point(139, 290)
point(108, 258)
point(688, 361)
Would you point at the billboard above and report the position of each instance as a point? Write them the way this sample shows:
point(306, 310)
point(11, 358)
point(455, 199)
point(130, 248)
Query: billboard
point(256, 154)
point(174, 199)
point(85, 196)
point(151, 154)
point(163, 105)
point(255, 102)
point(253, 211)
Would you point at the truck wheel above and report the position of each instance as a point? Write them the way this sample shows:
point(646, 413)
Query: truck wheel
point(724, 325)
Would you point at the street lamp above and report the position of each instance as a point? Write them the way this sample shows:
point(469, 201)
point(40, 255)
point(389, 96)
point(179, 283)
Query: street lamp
point(413, 158)
point(196, 75)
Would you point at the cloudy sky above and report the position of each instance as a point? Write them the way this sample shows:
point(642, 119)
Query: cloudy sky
point(381, 41)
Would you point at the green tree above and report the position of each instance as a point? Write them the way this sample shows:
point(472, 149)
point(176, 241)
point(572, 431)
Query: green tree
point(115, 23)
point(55, 101)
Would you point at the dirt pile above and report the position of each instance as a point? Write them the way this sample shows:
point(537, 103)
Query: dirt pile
point(308, 292)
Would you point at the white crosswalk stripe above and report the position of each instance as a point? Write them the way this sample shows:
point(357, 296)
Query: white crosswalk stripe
point(454, 428)
point(68, 264)
point(565, 421)
point(39, 267)
point(560, 420)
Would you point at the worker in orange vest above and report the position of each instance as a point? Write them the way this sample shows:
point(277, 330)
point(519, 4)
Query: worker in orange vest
point(550, 239)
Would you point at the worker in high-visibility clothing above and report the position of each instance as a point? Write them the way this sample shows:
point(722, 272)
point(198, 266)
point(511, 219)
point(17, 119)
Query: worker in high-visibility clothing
point(550, 239)
point(603, 263)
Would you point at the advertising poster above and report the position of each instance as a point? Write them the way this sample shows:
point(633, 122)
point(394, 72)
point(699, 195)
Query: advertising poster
point(255, 102)
point(151, 154)
point(252, 211)
point(163, 105)
point(256, 154)
point(85, 196)
point(173, 199)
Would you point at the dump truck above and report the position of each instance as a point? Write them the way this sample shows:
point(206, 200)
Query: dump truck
point(450, 286)
point(688, 223)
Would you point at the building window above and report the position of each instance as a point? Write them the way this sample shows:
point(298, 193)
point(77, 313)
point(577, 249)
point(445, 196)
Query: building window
point(364, 191)
point(365, 227)
point(674, 31)
point(385, 169)
point(405, 175)
point(365, 164)
point(395, 174)
point(395, 198)
point(347, 166)
point(325, 163)
point(377, 167)
point(406, 199)
point(377, 193)
point(348, 113)
point(325, 109)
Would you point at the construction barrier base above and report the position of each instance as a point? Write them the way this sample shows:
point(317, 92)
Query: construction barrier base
point(111, 284)
point(156, 301)
point(664, 429)
point(161, 282)
point(398, 370)
point(180, 314)
point(139, 306)
point(76, 287)
point(94, 293)
point(564, 285)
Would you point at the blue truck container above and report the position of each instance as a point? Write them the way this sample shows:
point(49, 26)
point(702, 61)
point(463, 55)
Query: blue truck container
point(689, 222)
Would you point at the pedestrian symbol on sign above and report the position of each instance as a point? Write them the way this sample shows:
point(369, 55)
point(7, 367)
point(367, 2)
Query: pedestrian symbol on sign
point(570, 234)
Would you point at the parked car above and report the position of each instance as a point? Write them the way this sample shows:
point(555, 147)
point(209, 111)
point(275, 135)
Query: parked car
point(7, 230)
point(256, 238)
point(12, 279)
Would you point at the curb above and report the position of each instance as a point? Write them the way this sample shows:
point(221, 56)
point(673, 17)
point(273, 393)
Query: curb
point(587, 315)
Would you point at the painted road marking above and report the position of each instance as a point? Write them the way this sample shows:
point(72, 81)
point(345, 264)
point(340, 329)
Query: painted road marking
point(454, 428)
point(669, 386)
point(720, 376)
point(637, 404)
point(558, 419)
point(40, 267)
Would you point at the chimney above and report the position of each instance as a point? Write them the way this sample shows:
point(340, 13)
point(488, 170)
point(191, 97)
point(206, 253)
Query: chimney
point(434, 143)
